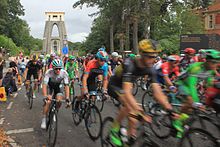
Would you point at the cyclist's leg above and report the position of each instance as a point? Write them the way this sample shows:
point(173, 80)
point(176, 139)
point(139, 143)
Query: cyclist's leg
point(27, 84)
point(35, 81)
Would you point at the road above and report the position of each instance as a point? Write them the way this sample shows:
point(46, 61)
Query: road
point(23, 124)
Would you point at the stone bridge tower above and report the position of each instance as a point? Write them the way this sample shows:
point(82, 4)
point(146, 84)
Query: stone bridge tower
point(54, 44)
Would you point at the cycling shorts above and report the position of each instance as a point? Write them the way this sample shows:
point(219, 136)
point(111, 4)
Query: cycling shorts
point(29, 74)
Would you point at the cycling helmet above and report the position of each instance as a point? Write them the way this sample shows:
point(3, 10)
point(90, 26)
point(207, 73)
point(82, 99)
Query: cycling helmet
point(114, 54)
point(41, 56)
point(102, 55)
point(132, 56)
point(57, 63)
point(34, 57)
point(189, 51)
point(53, 55)
point(47, 56)
point(149, 46)
point(119, 56)
point(72, 57)
point(101, 49)
point(213, 55)
point(173, 58)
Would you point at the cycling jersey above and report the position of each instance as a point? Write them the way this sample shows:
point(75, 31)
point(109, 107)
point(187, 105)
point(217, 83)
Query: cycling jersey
point(56, 78)
point(166, 70)
point(188, 80)
point(32, 69)
point(93, 69)
point(128, 71)
point(185, 62)
point(71, 68)
point(113, 64)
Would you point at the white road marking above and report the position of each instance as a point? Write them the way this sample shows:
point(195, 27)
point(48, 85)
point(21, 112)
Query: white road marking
point(12, 142)
point(22, 84)
point(15, 95)
point(2, 121)
point(19, 89)
point(16, 131)
point(10, 105)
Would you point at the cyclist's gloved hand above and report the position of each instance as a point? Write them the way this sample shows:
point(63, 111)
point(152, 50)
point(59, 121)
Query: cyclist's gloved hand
point(86, 95)
point(68, 102)
point(173, 88)
point(77, 79)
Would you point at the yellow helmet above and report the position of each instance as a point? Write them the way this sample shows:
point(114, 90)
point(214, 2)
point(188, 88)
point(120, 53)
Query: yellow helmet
point(34, 57)
point(149, 46)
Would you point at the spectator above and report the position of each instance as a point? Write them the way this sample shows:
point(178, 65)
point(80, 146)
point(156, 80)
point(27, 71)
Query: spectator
point(1, 69)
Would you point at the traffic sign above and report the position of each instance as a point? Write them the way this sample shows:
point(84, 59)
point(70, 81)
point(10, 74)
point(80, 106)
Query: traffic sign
point(65, 50)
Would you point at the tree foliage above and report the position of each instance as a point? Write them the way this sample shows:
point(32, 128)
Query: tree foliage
point(162, 20)
point(12, 26)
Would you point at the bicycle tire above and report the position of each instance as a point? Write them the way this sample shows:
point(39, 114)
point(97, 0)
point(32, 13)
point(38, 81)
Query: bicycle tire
point(99, 103)
point(197, 131)
point(76, 115)
point(105, 132)
point(117, 103)
point(161, 126)
point(135, 88)
point(144, 103)
point(53, 122)
point(89, 120)
point(30, 97)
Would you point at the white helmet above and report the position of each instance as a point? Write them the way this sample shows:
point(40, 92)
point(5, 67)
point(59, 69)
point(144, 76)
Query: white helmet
point(114, 54)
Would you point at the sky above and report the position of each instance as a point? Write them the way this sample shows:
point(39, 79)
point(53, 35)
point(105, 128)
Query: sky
point(77, 21)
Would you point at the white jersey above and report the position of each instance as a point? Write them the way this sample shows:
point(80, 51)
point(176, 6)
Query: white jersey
point(158, 65)
point(55, 78)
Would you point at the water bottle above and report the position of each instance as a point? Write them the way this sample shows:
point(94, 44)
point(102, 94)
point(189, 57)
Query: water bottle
point(124, 134)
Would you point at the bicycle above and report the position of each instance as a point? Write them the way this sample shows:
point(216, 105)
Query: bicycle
point(143, 139)
point(139, 82)
point(162, 121)
point(86, 109)
point(190, 139)
point(52, 121)
point(29, 95)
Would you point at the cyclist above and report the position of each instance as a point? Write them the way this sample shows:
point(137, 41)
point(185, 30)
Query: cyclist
point(189, 58)
point(168, 71)
point(72, 70)
point(113, 62)
point(89, 57)
point(94, 69)
point(187, 83)
point(121, 83)
point(53, 78)
point(32, 68)
point(49, 61)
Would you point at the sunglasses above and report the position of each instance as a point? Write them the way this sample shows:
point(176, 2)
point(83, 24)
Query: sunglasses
point(150, 56)
point(103, 60)
point(57, 69)
point(175, 62)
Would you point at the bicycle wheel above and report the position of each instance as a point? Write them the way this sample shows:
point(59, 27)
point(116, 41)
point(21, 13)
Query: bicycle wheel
point(106, 126)
point(52, 129)
point(145, 102)
point(76, 113)
point(117, 103)
point(161, 125)
point(30, 97)
point(196, 137)
point(93, 122)
point(135, 88)
point(99, 102)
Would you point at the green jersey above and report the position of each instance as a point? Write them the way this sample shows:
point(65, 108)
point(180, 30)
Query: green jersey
point(189, 79)
point(71, 68)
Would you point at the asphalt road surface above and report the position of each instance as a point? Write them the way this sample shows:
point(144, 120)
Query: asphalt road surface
point(23, 124)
